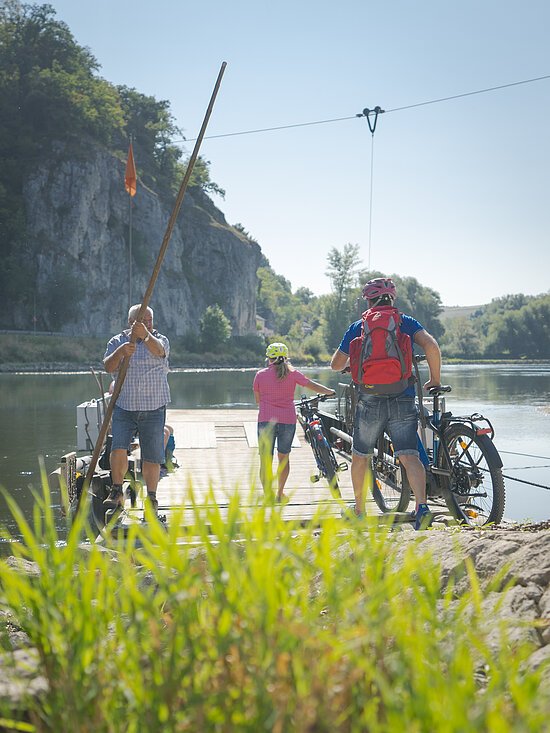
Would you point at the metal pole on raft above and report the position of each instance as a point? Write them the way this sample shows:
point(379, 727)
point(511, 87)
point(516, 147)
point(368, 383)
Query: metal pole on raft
point(146, 298)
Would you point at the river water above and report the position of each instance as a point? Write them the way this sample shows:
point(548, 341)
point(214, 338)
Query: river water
point(38, 418)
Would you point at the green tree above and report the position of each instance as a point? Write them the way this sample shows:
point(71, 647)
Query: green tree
point(214, 327)
point(152, 127)
point(275, 301)
point(339, 307)
point(497, 307)
point(524, 332)
point(200, 178)
point(461, 339)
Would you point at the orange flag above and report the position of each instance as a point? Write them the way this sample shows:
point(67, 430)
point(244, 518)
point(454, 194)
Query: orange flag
point(130, 178)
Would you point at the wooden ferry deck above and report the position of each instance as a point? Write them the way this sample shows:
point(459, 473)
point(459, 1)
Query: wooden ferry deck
point(217, 455)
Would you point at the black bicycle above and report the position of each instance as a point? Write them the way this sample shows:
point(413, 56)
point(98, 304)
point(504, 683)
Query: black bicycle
point(463, 466)
point(307, 410)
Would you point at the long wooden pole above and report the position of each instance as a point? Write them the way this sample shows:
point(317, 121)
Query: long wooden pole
point(147, 297)
point(130, 255)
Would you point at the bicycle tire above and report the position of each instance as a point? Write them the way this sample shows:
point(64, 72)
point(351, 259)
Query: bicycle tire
point(326, 460)
point(476, 493)
point(350, 402)
point(96, 509)
point(390, 489)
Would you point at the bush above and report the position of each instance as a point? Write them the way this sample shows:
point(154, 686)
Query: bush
point(214, 327)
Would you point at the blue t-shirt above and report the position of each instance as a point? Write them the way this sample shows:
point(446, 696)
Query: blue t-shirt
point(409, 326)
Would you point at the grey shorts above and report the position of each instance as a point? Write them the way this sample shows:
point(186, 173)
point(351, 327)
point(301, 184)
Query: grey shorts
point(396, 415)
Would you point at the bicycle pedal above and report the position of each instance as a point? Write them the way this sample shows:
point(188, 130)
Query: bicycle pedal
point(343, 466)
point(314, 479)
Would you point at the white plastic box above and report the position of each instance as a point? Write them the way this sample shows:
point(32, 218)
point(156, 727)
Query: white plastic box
point(89, 419)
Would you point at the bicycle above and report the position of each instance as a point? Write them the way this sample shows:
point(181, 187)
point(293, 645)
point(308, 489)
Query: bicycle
point(463, 466)
point(307, 410)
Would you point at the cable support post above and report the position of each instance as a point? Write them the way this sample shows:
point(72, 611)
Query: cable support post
point(368, 112)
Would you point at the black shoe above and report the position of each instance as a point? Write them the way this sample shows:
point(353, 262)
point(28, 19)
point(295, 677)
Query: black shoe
point(115, 497)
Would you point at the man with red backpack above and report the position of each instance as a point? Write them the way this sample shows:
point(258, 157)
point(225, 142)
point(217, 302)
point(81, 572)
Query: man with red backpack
point(378, 350)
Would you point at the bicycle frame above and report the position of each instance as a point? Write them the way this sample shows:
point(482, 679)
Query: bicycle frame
point(314, 431)
point(446, 471)
point(440, 419)
point(462, 464)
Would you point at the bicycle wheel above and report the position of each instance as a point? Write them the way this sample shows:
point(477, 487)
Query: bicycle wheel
point(326, 460)
point(350, 402)
point(391, 489)
point(476, 493)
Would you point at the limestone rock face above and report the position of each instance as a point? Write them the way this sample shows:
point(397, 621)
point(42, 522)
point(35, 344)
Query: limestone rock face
point(77, 214)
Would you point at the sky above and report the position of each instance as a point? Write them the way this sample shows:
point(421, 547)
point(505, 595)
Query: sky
point(460, 188)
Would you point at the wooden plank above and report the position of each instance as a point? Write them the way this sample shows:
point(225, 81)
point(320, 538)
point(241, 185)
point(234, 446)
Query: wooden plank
point(210, 476)
point(196, 435)
point(215, 475)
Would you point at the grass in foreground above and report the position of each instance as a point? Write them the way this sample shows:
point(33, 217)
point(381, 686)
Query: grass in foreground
point(248, 623)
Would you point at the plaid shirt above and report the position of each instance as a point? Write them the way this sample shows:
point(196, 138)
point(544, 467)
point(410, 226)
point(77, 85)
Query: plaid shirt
point(146, 384)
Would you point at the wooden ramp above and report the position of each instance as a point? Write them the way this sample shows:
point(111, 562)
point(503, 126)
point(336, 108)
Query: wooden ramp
point(217, 453)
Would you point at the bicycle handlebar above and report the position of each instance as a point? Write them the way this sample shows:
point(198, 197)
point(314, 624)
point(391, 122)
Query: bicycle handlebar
point(316, 398)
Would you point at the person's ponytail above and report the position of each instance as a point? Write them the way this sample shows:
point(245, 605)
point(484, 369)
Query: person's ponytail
point(282, 367)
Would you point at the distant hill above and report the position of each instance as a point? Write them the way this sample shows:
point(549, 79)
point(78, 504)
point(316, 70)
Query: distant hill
point(458, 311)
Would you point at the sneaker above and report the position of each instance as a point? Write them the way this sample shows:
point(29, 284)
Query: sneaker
point(349, 513)
point(424, 517)
point(152, 502)
point(115, 498)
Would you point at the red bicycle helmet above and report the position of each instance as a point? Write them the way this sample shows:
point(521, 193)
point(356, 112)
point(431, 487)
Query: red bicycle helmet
point(379, 286)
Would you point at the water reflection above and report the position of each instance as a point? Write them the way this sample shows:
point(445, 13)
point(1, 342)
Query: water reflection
point(506, 383)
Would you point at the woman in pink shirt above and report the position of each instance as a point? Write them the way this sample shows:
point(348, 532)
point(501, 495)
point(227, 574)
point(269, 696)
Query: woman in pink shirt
point(274, 392)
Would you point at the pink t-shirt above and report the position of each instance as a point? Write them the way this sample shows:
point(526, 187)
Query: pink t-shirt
point(277, 395)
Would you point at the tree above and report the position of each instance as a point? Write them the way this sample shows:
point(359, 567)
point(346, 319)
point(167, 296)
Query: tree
point(342, 270)
point(214, 327)
point(152, 127)
point(461, 339)
point(275, 301)
point(339, 307)
point(524, 332)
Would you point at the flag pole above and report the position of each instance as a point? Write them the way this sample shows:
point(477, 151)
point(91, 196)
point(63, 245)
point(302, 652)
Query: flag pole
point(130, 183)
point(146, 298)
point(130, 198)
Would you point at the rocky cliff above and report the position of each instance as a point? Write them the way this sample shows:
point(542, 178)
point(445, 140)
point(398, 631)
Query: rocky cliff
point(77, 216)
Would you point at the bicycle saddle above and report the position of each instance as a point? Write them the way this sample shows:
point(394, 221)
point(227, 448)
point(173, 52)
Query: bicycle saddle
point(433, 391)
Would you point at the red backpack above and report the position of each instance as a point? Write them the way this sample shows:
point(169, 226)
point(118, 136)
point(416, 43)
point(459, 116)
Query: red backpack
point(381, 357)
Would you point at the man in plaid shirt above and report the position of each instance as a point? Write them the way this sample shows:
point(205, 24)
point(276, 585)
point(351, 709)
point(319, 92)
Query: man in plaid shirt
point(141, 404)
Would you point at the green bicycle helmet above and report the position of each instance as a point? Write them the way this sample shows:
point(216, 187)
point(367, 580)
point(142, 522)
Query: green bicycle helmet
point(274, 351)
